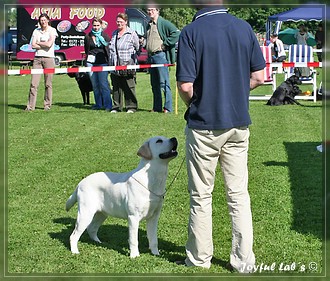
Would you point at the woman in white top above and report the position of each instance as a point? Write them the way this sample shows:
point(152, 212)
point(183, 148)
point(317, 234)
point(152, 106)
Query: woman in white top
point(43, 39)
point(278, 52)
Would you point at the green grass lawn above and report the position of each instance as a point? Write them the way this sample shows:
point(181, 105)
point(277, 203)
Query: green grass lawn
point(50, 152)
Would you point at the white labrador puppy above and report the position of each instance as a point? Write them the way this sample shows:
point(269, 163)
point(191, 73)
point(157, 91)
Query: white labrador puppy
point(135, 195)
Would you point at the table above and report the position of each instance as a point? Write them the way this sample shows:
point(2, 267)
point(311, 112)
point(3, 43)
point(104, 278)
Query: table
point(25, 64)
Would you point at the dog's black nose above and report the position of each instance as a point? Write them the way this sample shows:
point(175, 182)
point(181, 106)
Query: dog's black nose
point(175, 142)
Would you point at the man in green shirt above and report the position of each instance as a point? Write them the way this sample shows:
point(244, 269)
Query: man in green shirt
point(162, 36)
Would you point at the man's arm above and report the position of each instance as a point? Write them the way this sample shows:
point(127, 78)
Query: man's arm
point(171, 35)
point(256, 79)
point(185, 91)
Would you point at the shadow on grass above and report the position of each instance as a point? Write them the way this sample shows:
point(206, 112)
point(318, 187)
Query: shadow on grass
point(115, 237)
point(305, 172)
point(60, 104)
point(82, 106)
point(18, 106)
point(74, 105)
point(310, 105)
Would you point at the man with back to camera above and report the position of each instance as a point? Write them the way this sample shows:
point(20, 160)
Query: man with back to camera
point(215, 73)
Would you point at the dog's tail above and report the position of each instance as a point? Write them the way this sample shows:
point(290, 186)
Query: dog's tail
point(71, 201)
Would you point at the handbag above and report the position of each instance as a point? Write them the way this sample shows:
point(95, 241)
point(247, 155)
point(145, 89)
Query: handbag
point(124, 72)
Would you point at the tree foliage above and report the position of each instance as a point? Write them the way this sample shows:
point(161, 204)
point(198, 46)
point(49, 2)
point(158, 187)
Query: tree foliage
point(256, 17)
point(11, 19)
point(179, 16)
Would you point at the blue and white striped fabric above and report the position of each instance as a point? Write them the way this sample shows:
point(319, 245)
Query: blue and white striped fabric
point(303, 53)
point(300, 53)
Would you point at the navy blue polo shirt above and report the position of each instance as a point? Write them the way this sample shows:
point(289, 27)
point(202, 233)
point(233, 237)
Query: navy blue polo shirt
point(217, 52)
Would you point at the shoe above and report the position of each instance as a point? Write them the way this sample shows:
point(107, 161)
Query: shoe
point(166, 111)
point(95, 108)
point(182, 262)
point(230, 268)
point(28, 109)
point(47, 108)
point(108, 109)
point(113, 111)
point(130, 111)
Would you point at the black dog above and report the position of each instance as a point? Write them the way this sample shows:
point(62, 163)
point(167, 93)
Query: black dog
point(286, 92)
point(84, 83)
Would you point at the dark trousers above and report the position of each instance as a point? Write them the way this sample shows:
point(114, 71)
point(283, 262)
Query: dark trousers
point(123, 89)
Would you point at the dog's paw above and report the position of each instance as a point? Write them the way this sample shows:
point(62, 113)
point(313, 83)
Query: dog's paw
point(74, 249)
point(134, 254)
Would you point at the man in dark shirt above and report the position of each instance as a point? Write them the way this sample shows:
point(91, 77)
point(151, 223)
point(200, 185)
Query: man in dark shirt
point(219, 62)
point(319, 37)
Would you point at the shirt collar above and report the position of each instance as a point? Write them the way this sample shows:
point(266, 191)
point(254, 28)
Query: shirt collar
point(210, 12)
point(154, 21)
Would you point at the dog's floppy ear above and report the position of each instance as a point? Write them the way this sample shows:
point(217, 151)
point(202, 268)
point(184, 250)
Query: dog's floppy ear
point(145, 151)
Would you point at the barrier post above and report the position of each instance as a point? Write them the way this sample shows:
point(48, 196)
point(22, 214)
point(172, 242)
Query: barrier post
point(176, 100)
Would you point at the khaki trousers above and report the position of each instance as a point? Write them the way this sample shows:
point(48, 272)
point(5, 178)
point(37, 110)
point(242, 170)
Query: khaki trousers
point(40, 63)
point(204, 150)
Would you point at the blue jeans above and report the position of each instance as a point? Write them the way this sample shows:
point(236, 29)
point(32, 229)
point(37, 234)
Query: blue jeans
point(101, 88)
point(160, 81)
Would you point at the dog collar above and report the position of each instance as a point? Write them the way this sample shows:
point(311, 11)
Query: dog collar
point(162, 196)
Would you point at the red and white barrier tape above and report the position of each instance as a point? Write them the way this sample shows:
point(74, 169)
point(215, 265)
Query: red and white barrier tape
point(81, 69)
point(123, 67)
point(295, 64)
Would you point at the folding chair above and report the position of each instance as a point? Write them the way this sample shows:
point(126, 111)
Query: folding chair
point(269, 74)
point(302, 53)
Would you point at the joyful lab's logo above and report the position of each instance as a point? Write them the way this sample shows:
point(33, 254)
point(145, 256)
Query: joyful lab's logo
point(279, 267)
